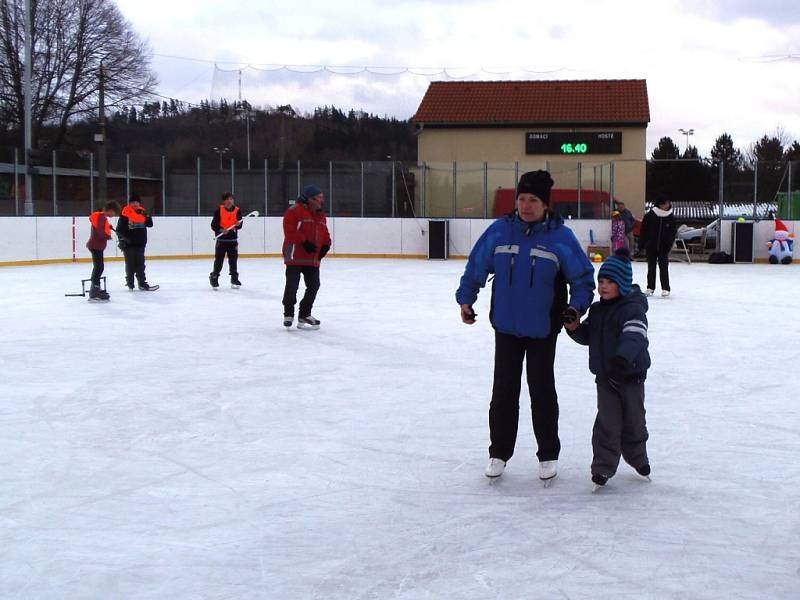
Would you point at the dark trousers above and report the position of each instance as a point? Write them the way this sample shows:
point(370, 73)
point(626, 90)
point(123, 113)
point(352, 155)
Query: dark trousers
point(662, 259)
point(134, 265)
point(232, 250)
point(509, 352)
point(311, 278)
point(98, 266)
point(619, 428)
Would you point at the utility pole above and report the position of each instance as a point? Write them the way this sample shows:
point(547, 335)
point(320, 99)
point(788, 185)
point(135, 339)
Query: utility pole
point(100, 138)
point(28, 207)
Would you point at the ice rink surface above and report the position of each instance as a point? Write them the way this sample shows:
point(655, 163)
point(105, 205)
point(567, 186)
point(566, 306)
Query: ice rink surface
point(182, 444)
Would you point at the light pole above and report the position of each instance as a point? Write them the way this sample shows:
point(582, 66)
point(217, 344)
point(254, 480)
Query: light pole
point(220, 152)
point(687, 133)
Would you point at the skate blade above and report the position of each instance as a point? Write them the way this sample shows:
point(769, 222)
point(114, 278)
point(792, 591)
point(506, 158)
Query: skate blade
point(99, 300)
point(596, 488)
point(304, 326)
point(235, 287)
point(548, 482)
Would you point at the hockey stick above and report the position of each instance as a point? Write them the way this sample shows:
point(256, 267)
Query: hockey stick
point(250, 214)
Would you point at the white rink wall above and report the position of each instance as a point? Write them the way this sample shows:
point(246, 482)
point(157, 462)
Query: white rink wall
point(53, 238)
point(64, 238)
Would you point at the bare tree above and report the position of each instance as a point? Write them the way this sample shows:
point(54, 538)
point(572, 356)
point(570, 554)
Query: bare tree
point(71, 40)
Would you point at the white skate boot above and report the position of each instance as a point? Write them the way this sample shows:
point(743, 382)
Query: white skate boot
point(548, 469)
point(495, 467)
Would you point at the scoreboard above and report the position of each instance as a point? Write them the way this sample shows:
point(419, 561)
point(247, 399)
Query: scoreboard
point(573, 142)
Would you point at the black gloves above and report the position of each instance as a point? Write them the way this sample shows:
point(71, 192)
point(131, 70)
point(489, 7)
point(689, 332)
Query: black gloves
point(570, 315)
point(323, 251)
point(122, 244)
point(309, 247)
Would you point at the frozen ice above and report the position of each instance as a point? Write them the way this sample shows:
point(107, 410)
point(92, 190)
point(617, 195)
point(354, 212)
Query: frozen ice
point(183, 444)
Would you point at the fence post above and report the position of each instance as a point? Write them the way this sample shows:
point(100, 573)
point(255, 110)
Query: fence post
point(91, 182)
point(233, 176)
point(198, 186)
point(330, 187)
point(394, 190)
point(55, 186)
point(299, 185)
point(755, 187)
point(164, 185)
point(16, 182)
point(486, 190)
point(721, 194)
point(516, 174)
point(580, 185)
point(611, 183)
point(128, 175)
point(455, 188)
point(266, 187)
point(362, 189)
point(789, 194)
point(424, 189)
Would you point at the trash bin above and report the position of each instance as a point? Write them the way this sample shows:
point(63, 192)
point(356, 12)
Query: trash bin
point(742, 243)
point(438, 239)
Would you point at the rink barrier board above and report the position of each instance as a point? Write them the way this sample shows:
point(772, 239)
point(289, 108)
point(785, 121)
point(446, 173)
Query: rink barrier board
point(57, 240)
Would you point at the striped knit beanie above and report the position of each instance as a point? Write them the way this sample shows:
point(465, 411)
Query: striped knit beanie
point(618, 269)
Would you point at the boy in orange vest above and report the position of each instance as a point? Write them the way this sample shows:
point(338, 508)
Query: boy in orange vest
point(98, 239)
point(226, 224)
point(132, 233)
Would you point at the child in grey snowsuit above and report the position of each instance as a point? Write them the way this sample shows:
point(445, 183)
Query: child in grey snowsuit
point(616, 332)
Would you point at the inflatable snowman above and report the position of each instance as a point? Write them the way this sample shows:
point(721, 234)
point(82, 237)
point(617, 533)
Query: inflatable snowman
point(781, 247)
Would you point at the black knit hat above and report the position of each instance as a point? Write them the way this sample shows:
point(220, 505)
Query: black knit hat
point(537, 183)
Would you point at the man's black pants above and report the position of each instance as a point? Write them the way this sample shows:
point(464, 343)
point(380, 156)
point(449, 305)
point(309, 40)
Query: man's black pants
point(311, 278)
point(662, 258)
point(504, 409)
point(98, 266)
point(232, 250)
point(134, 265)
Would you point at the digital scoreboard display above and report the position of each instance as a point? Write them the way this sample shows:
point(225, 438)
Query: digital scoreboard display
point(575, 142)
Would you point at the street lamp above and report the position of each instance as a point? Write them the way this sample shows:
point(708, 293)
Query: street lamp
point(687, 133)
point(221, 151)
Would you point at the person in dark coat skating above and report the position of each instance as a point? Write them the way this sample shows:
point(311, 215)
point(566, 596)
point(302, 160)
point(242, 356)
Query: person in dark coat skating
point(616, 332)
point(657, 235)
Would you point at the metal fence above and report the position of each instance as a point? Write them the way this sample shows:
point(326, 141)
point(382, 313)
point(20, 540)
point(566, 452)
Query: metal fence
point(66, 184)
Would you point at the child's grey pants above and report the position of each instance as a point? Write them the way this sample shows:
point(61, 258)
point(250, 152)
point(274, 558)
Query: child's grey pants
point(619, 428)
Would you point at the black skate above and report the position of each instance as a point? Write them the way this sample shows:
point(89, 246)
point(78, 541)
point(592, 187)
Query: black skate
point(287, 320)
point(644, 471)
point(146, 287)
point(98, 295)
point(599, 481)
point(213, 279)
point(308, 322)
point(235, 283)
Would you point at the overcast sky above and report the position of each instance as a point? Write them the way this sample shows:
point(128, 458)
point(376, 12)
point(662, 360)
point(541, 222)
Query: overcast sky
point(703, 61)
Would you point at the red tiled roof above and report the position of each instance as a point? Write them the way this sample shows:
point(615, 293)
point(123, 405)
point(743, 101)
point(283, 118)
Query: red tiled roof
point(531, 102)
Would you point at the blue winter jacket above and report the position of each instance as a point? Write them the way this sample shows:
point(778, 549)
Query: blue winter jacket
point(616, 333)
point(528, 260)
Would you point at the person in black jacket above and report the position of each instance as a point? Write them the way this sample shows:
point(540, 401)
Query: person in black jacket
point(226, 224)
point(616, 332)
point(132, 234)
point(657, 236)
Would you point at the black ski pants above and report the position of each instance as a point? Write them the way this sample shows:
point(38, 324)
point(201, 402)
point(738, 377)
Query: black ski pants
point(134, 265)
point(98, 266)
point(311, 278)
point(539, 356)
point(662, 259)
point(232, 250)
point(620, 427)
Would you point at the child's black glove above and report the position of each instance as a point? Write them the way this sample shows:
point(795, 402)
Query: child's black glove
point(309, 247)
point(570, 315)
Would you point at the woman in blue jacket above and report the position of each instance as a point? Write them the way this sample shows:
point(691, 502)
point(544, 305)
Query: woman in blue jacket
point(532, 256)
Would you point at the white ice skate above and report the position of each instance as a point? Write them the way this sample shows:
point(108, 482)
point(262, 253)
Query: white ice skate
point(495, 468)
point(665, 293)
point(649, 292)
point(548, 469)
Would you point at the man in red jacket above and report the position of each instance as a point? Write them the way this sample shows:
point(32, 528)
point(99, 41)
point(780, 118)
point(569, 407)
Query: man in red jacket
point(306, 241)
